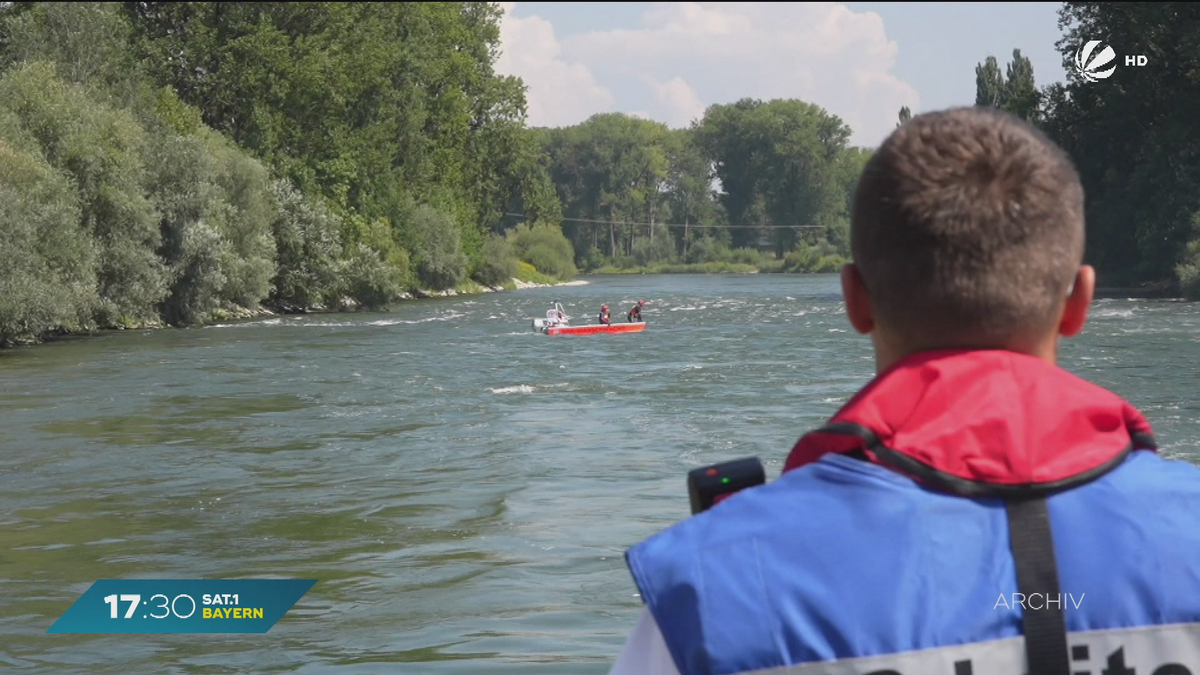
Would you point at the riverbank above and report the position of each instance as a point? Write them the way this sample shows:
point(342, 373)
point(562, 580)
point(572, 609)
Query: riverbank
point(232, 312)
point(681, 268)
point(1162, 290)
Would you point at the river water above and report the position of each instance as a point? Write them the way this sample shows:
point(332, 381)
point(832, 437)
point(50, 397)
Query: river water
point(462, 487)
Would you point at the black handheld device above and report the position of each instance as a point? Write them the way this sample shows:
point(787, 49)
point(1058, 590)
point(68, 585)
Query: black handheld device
point(710, 484)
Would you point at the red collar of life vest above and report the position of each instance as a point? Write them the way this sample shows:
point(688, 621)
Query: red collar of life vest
point(982, 417)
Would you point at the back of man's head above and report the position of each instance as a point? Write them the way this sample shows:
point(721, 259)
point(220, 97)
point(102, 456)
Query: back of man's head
point(967, 229)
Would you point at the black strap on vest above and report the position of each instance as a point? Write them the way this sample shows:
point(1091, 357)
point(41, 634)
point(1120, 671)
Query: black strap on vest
point(1044, 627)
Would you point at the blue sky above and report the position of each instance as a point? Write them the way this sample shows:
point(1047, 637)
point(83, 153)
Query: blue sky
point(667, 61)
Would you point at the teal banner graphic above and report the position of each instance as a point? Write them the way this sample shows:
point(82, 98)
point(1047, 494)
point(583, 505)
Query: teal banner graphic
point(182, 606)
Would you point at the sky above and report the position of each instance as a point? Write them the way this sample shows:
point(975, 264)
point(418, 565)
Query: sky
point(861, 61)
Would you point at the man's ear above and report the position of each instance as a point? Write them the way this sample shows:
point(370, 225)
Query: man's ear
point(1080, 299)
point(858, 303)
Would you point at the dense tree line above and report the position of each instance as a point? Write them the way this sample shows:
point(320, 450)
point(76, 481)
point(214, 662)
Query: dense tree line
point(1133, 135)
point(752, 184)
point(165, 162)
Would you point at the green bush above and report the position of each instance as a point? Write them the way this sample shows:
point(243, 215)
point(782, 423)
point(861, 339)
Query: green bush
point(659, 249)
point(197, 273)
point(529, 274)
point(544, 247)
point(746, 256)
point(440, 262)
point(829, 263)
point(707, 249)
point(370, 279)
point(177, 169)
point(375, 270)
point(623, 261)
point(101, 149)
point(1188, 271)
point(819, 258)
point(215, 214)
point(307, 250)
point(593, 259)
point(89, 41)
point(47, 261)
point(498, 265)
point(241, 210)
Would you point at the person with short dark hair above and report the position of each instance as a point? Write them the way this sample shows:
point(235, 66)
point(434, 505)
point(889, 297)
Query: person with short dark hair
point(975, 506)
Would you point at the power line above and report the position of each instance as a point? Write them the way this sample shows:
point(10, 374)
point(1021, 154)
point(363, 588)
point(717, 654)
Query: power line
point(687, 225)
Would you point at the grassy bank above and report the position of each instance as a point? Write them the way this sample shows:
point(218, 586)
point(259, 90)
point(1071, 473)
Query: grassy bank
point(682, 268)
point(1165, 290)
point(715, 258)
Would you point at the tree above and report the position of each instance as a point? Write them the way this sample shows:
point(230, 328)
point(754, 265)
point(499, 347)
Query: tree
point(367, 105)
point(1021, 95)
point(690, 197)
point(1133, 137)
point(989, 84)
point(1013, 91)
point(789, 148)
point(611, 168)
point(905, 115)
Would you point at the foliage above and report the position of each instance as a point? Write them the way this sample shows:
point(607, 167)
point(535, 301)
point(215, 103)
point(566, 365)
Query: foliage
point(376, 269)
point(89, 42)
point(307, 250)
point(1188, 269)
point(47, 262)
point(545, 247)
point(440, 262)
point(499, 264)
point(165, 160)
point(610, 169)
point(683, 268)
point(530, 274)
point(101, 149)
point(821, 258)
point(637, 194)
point(1133, 137)
point(350, 100)
point(1013, 91)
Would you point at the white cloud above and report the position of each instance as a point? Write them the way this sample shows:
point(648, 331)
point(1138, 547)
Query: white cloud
point(560, 92)
point(677, 101)
point(685, 56)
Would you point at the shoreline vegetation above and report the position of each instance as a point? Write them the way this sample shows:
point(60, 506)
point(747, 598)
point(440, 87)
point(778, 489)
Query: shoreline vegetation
point(237, 313)
point(174, 164)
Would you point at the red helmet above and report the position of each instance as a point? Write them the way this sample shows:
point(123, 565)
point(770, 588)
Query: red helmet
point(641, 302)
point(604, 307)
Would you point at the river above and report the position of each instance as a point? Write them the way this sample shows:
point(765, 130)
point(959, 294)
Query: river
point(462, 487)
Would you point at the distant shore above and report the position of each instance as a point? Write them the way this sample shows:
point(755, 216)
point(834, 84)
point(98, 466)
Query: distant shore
point(1164, 290)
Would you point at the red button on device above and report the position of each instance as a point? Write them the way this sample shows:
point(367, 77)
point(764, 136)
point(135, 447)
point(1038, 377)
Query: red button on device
point(712, 472)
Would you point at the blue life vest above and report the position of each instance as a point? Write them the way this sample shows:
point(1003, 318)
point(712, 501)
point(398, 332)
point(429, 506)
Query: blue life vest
point(902, 563)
